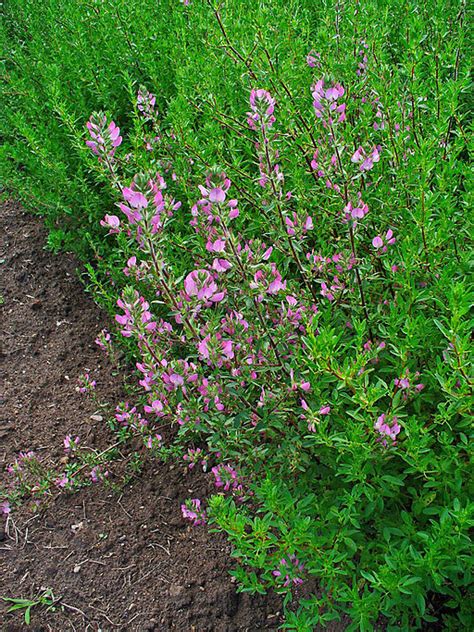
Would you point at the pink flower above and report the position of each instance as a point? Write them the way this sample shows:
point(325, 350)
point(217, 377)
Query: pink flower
point(62, 481)
point(325, 410)
point(377, 242)
point(262, 105)
point(370, 160)
point(146, 103)
point(216, 246)
point(200, 284)
point(380, 244)
point(105, 138)
point(112, 222)
point(326, 104)
point(217, 195)
point(203, 349)
point(289, 570)
point(136, 199)
point(191, 510)
point(221, 265)
point(358, 155)
point(390, 430)
point(266, 255)
point(313, 59)
point(70, 443)
point(155, 407)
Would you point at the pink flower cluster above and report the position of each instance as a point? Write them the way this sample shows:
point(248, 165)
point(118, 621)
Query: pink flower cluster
point(146, 103)
point(194, 456)
point(262, 106)
point(355, 211)
point(313, 59)
point(381, 243)
point(327, 105)
point(136, 319)
point(105, 137)
point(406, 384)
point(289, 571)
point(191, 510)
point(86, 383)
point(129, 416)
point(103, 340)
point(313, 417)
point(362, 53)
point(146, 207)
point(200, 286)
point(268, 280)
point(366, 161)
point(70, 443)
point(387, 430)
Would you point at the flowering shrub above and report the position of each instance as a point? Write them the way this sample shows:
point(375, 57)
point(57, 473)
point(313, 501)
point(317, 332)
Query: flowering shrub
point(299, 360)
point(298, 314)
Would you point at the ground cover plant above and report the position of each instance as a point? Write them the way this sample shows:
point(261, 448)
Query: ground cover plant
point(272, 198)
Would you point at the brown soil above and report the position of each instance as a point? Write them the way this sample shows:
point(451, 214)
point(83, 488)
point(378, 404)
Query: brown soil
point(131, 562)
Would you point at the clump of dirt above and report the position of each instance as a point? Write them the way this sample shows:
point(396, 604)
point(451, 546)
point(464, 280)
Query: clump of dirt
point(125, 561)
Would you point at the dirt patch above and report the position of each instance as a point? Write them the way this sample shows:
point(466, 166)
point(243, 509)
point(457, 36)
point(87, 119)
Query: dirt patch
point(126, 562)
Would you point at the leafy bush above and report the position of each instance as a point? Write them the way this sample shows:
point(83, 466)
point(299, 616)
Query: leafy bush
point(295, 249)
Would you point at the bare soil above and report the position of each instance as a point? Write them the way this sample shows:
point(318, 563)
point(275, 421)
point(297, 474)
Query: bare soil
point(115, 561)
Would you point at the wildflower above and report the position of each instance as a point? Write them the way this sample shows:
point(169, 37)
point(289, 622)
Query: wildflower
point(146, 103)
point(191, 510)
point(266, 255)
point(86, 384)
point(225, 476)
point(96, 474)
point(221, 265)
point(103, 340)
point(262, 105)
point(70, 443)
point(155, 407)
point(200, 284)
point(326, 102)
point(289, 571)
point(105, 138)
point(5, 507)
point(193, 456)
point(366, 161)
point(357, 211)
point(313, 59)
point(62, 481)
point(153, 442)
point(136, 317)
point(112, 222)
point(381, 243)
point(390, 430)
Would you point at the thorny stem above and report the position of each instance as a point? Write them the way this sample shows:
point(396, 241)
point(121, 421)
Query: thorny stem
point(282, 219)
point(353, 246)
point(239, 57)
point(168, 291)
point(425, 245)
point(255, 302)
point(127, 39)
point(461, 370)
point(412, 98)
